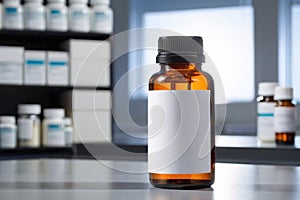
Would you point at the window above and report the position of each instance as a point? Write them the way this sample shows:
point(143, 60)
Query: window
point(230, 44)
point(295, 59)
point(227, 27)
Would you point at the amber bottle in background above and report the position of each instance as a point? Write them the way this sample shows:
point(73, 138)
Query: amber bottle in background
point(284, 116)
point(181, 83)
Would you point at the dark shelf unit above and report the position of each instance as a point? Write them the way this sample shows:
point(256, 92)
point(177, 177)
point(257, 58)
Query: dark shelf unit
point(51, 35)
point(46, 95)
point(44, 40)
point(51, 87)
point(42, 152)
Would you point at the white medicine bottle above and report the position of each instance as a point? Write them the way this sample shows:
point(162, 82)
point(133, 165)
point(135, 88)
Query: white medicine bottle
point(34, 15)
point(29, 125)
point(79, 16)
point(102, 16)
point(57, 15)
point(54, 128)
point(68, 132)
point(12, 15)
point(8, 132)
point(265, 111)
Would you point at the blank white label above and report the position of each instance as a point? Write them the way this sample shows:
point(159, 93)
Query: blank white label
point(55, 135)
point(179, 135)
point(285, 119)
point(25, 128)
point(8, 137)
point(265, 120)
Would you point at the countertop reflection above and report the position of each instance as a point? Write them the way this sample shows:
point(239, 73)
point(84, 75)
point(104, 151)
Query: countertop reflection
point(91, 179)
point(251, 142)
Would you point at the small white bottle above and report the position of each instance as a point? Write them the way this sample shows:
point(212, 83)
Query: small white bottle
point(68, 132)
point(54, 128)
point(57, 15)
point(265, 111)
point(102, 17)
point(79, 16)
point(12, 15)
point(34, 15)
point(29, 125)
point(8, 132)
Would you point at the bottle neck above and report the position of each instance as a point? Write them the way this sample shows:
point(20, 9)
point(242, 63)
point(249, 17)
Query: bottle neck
point(180, 66)
point(266, 99)
point(100, 5)
point(33, 3)
point(78, 3)
point(56, 3)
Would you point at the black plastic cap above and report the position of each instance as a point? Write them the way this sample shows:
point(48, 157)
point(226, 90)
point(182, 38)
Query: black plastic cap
point(177, 49)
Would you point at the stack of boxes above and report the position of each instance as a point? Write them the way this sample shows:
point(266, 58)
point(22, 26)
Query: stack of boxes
point(19, 66)
point(89, 65)
point(91, 109)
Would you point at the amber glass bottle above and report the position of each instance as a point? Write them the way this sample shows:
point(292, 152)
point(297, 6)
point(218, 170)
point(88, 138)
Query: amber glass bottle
point(180, 59)
point(284, 116)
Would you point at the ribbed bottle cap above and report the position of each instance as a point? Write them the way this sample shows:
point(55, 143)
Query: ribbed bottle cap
point(29, 109)
point(267, 88)
point(178, 49)
point(7, 119)
point(283, 93)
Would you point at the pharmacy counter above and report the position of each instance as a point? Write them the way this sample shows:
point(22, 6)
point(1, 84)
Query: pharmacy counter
point(229, 149)
point(90, 179)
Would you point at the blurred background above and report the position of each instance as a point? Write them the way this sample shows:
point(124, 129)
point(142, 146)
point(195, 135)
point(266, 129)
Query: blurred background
point(249, 41)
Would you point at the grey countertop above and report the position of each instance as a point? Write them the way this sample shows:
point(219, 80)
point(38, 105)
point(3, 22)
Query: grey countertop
point(91, 179)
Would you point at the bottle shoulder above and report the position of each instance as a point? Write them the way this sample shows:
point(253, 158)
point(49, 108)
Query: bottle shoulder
point(11, 4)
point(78, 7)
point(57, 6)
point(7, 125)
point(53, 120)
point(101, 8)
point(33, 5)
point(285, 103)
point(174, 75)
point(181, 80)
point(29, 8)
point(265, 99)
